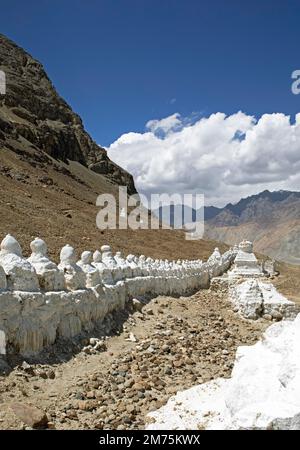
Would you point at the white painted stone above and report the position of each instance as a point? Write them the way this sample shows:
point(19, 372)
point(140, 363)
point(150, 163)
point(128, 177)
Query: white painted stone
point(75, 278)
point(132, 264)
point(216, 255)
point(247, 299)
point(21, 276)
point(49, 276)
point(119, 259)
point(254, 299)
point(123, 265)
point(3, 281)
point(144, 266)
point(10, 245)
point(2, 343)
point(92, 274)
point(245, 262)
point(110, 262)
point(107, 256)
point(262, 393)
point(33, 320)
point(104, 271)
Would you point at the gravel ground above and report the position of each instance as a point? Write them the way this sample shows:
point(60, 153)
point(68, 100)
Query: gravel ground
point(155, 350)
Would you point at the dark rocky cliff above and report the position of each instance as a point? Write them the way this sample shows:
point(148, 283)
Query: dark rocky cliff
point(36, 120)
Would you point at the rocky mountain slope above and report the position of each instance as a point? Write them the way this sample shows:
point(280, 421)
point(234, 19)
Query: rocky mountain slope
point(51, 172)
point(36, 122)
point(270, 219)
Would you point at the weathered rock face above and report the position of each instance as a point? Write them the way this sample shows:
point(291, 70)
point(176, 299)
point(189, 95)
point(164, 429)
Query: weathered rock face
point(263, 392)
point(33, 113)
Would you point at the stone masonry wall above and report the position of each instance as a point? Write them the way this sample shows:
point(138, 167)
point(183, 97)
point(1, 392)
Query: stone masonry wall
point(33, 317)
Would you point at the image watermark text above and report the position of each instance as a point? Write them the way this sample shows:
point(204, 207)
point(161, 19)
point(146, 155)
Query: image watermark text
point(160, 211)
point(296, 83)
point(2, 83)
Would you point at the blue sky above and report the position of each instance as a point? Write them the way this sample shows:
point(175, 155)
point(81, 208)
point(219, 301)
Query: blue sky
point(121, 63)
point(188, 96)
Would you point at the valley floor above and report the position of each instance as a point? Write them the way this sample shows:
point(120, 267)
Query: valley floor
point(181, 342)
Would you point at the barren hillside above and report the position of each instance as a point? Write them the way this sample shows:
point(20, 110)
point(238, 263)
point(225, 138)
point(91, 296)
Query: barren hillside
point(270, 219)
point(58, 202)
point(51, 171)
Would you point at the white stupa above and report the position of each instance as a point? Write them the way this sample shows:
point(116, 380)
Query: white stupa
point(245, 263)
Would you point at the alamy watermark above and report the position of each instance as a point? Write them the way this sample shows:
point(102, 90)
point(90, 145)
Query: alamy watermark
point(296, 84)
point(2, 83)
point(161, 211)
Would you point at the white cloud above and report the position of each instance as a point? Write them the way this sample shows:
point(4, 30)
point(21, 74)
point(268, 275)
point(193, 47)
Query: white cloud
point(226, 157)
point(166, 125)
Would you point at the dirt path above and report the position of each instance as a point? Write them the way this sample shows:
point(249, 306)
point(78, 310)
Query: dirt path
point(180, 342)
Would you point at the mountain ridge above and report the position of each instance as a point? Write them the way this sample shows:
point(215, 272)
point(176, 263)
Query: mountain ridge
point(35, 121)
point(47, 186)
point(236, 209)
point(274, 196)
point(270, 219)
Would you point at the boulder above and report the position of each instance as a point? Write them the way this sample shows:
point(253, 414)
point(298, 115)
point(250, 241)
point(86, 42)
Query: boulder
point(30, 415)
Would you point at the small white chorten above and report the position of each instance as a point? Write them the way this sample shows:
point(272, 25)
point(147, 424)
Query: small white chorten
point(50, 278)
point(111, 263)
point(92, 274)
point(104, 272)
point(21, 276)
point(245, 263)
point(75, 277)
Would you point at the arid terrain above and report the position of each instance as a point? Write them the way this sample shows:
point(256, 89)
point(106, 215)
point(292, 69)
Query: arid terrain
point(180, 342)
point(270, 219)
point(51, 173)
point(60, 207)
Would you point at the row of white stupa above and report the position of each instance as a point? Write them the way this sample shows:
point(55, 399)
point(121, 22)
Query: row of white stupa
point(39, 272)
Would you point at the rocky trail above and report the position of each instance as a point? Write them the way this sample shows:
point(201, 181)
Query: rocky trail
point(155, 350)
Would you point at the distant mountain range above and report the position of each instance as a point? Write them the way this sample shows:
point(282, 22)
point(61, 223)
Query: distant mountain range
point(176, 215)
point(270, 219)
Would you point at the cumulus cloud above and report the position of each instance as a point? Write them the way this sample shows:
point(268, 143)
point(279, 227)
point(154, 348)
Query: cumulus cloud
point(224, 157)
point(170, 123)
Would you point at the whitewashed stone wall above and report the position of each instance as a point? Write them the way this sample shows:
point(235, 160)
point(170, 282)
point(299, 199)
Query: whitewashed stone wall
point(40, 301)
